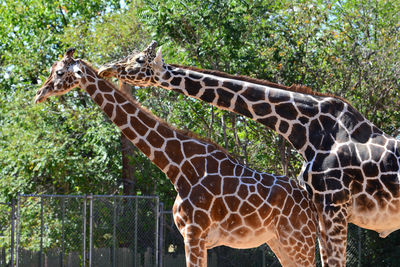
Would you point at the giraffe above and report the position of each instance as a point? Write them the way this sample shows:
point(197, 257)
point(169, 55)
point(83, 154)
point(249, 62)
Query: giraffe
point(351, 168)
point(220, 201)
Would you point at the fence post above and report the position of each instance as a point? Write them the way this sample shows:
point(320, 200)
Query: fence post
point(12, 231)
point(84, 231)
point(90, 229)
point(63, 232)
point(359, 247)
point(17, 234)
point(3, 255)
point(114, 232)
point(136, 229)
point(157, 210)
point(41, 231)
point(161, 241)
point(263, 250)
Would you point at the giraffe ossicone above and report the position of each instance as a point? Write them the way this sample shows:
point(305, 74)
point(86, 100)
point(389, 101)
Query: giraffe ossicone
point(220, 201)
point(351, 167)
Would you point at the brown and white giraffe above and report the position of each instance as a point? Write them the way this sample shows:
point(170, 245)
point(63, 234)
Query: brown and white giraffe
point(351, 167)
point(220, 201)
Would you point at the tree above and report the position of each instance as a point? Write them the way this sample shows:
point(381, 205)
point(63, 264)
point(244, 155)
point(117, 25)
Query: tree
point(62, 142)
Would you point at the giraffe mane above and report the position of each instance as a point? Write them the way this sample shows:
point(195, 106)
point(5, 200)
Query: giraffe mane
point(90, 65)
point(132, 54)
point(293, 88)
point(187, 133)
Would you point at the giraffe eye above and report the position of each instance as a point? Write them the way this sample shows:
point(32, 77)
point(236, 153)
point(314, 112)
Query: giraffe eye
point(59, 73)
point(140, 60)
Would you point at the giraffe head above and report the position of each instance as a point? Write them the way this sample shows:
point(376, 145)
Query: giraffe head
point(137, 69)
point(64, 76)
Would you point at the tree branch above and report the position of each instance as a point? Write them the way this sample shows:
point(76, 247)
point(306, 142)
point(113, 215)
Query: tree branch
point(62, 14)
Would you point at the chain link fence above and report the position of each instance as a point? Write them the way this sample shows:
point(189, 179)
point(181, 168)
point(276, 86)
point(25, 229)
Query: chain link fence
point(54, 230)
point(86, 231)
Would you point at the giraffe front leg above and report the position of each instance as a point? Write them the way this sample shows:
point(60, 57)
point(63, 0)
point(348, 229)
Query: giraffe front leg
point(333, 235)
point(195, 247)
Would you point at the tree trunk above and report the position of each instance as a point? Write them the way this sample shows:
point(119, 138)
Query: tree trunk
point(284, 155)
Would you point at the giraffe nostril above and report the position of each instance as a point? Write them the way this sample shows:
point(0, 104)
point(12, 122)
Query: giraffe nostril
point(105, 71)
point(38, 97)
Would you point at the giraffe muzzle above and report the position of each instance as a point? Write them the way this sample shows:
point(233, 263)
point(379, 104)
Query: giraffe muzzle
point(106, 71)
point(41, 95)
point(39, 99)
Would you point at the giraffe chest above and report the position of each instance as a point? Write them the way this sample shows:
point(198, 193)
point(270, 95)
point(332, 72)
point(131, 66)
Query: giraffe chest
point(240, 238)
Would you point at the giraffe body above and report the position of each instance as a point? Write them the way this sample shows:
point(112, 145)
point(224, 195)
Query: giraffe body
point(220, 201)
point(351, 168)
point(265, 221)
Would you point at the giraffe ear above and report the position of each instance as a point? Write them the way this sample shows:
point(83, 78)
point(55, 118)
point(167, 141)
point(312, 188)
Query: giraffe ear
point(69, 53)
point(158, 60)
point(151, 47)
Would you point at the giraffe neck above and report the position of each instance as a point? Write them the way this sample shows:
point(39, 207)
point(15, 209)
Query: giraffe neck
point(168, 148)
point(305, 120)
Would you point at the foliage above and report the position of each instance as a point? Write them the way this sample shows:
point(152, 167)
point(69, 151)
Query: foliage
point(54, 149)
point(31, 32)
point(325, 45)
point(44, 148)
point(222, 35)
